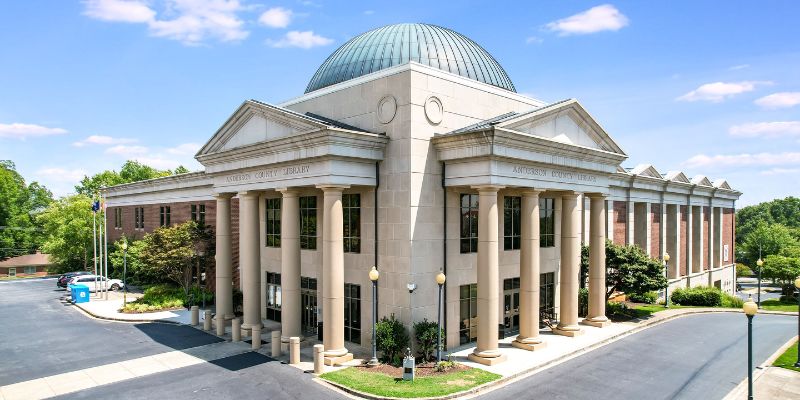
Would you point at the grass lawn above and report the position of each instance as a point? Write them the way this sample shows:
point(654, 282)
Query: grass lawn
point(788, 358)
point(777, 305)
point(426, 386)
point(646, 309)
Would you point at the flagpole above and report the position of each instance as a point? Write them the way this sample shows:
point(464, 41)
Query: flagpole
point(94, 245)
point(100, 245)
point(105, 226)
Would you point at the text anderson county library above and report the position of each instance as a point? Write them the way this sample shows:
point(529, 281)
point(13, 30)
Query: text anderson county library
point(411, 150)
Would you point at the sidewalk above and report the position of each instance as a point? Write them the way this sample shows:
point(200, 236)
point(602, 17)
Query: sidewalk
point(774, 383)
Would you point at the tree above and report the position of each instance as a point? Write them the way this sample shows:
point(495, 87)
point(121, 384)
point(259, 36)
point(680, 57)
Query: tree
point(391, 339)
point(131, 171)
point(629, 269)
point(181, 170)
point(19, 206)
point(67, 223)
point(426, 336)
point(773, 239)
point(169, 253)
point(782, 211)
point(782, 269)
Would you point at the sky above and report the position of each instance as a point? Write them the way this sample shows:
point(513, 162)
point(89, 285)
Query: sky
point(704, 87)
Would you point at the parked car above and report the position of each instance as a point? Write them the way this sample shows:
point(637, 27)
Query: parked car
point(63, 280)
point(88, 280)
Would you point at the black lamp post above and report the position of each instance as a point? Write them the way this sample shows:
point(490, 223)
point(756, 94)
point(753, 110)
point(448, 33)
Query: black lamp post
point(760, 264)
point(750, 309)
point(666, 275)
point(797, 285)
point(440, 279)
point(373, 276)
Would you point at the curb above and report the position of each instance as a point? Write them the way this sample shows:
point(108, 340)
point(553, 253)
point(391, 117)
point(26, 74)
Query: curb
point(106, 318)
point(490, 386)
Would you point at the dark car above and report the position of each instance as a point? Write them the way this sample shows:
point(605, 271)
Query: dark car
point(64, 279)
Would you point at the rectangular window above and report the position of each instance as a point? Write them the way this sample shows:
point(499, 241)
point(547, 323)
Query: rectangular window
point(351, 206)
point(469, 223)
point(274, 296)
point(547, 222)
point(272, 216)
point(139, 220)
point(352, 313)
point(547, 295)
point(12, 271)
point(511, 222)
point(308, 222)
point(118, 218)
point(165, 215)
point(198, 213)
point(30, 270)
point(468, 313)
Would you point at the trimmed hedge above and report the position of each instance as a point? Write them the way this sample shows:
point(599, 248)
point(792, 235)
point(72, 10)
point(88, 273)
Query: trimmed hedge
point(705, 296)
point(646, 298)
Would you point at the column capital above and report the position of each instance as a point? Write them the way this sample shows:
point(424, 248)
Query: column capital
point(226, 196)
point(569, 194)
point(333, 188)
point(530, 192)
point(488, 188)
point(288, 192)
point(248, 193)
point(596, 195)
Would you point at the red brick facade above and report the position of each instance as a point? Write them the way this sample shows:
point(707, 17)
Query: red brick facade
point(655, 230)
point(728, 226)
point(684, 230)
point(620, 226)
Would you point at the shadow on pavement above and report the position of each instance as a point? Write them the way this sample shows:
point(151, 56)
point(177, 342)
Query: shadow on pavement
point(242, 361)
point(178, 337)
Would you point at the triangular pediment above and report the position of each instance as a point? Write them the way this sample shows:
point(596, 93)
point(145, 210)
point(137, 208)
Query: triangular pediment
point(722, 184)
point(701, 180)
point(566, 122)
point(677, 176)
point(646, 170)
point(256, 122)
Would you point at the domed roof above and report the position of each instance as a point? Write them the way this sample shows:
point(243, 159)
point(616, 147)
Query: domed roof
point(399, 44)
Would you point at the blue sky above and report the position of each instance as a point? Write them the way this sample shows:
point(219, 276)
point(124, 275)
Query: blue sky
point(708, 88)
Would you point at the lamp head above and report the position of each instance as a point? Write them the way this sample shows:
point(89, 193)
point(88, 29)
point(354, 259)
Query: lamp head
point(374, 274)
point(760, 262)
point(750, 308)
point(411, 287)
point(666, 257)
point(440, 278)
point(124, 245)
point(797, 283)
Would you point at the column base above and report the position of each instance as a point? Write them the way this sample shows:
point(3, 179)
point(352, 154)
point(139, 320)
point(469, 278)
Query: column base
point(529, 346)
point(487, 360)
point(285, 339)
point(600, 323)
point(338, 360)
point(569, 332)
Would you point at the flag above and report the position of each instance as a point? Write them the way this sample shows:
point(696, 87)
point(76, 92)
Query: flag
point(95, 206)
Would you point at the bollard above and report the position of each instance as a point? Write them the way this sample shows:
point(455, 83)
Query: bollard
point(294, 350)
point(220, 325)
point(195, 315)
point(207, 320)
point(256, 336)
point(276, 344)
point(319, 359)
point(236, 330)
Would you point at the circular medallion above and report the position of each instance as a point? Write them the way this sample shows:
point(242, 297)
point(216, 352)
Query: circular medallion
point(434, 110)
point(387, 108)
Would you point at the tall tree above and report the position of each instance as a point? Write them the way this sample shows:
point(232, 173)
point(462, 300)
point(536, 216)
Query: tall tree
point(131, 171)
point(19, 205)
point(782, 211)
point(68, 226)
point(770, 238)
point(629, 269)
point(171, 252)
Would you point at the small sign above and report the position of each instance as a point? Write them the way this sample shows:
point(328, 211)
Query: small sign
point(725, 253)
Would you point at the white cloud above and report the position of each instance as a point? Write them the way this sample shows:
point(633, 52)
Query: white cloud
point(185, 149)
point(131, 11)
point(102, 140)
point(533, 40)
point(718, 91)
point(276, 17)
point(605, 17)
point(781, 171)
point(738, 67)
point(73, 175)
point(780, 100)
point(191, 22)
point(303, 40)
point(22, 131)
point(766, 129)
point(744, 159)
point(126, 150)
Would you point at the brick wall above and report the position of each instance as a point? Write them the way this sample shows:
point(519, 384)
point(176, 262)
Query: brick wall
point(620, 216)
point(728, 226)
point(684, 222)
point(655, 230)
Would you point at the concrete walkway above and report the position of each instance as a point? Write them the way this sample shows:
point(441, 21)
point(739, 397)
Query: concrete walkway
point(774, 383)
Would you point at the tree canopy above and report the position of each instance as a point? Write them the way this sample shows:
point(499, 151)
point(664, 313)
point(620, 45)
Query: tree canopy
point(68, 226)
point(629, 269)
point(131, 171)
point(20, 203)
point(170, 253)
point(779, 211)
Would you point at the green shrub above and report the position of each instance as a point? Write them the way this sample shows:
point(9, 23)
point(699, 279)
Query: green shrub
point(618, 309)
point(196, 295)
point(730, 301)
point(238, 301)
point(392, 339)
point(156, 298)
point(703, 296)
point(583, 302)
point(444, 366)
point(646, 298)
point(743, 270)
point(425, 334)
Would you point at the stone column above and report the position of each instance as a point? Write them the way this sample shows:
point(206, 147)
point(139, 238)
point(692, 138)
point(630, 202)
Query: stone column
point(570, 266)
point(487, 351)
point(291, 312)
point(630, 223)
point(528, 337)
point(597, 264)
point(223, 264)
point(249, 259)
point(333, 276)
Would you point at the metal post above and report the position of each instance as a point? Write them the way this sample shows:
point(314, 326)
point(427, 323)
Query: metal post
point(797, 364)
point(749, 357)
point(760, 267)
point(439, 328)
point(94, 246)
point(666, 288)
point(374, 360)
point(125, 276)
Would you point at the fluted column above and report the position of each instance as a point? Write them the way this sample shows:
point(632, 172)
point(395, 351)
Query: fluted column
point(249, 259)
point(597, 264)
point(487, 351)
point(291, 312)
point(528, 337)
point(223, 264)
point(333, 275)
point(570, 266)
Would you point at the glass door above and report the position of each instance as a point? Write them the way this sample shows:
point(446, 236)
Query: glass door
point(511, 306)
point(308, 296)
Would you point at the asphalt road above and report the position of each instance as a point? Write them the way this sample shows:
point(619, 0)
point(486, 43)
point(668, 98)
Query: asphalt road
point(693, 357)
point(43, 336)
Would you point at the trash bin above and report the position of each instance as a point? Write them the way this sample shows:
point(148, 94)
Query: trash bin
point(80, 293)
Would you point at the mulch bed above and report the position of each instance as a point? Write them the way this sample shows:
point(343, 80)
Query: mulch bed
point(425, 369)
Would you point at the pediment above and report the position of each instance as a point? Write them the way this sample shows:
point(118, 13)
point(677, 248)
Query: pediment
point(256, 122)
point(701, 180)
point(646, 170)
point(677, 176)
point(722, 184)
point(566, 122)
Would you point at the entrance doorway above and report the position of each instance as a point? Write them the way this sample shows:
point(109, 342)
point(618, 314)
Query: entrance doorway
point(511, 306)
point(308, 296)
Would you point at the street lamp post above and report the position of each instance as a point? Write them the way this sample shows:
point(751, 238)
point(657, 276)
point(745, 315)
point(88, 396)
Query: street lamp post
point(124, 272)
point(797, 285)
point(760, 264)
point(440, 279)
point(750, 309)
point(373, 276)
point(666, 274)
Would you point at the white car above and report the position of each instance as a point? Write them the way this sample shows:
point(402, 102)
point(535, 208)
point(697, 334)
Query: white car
point(88, 280)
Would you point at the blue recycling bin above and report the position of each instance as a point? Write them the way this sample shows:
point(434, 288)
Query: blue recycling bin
point(80, 293)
